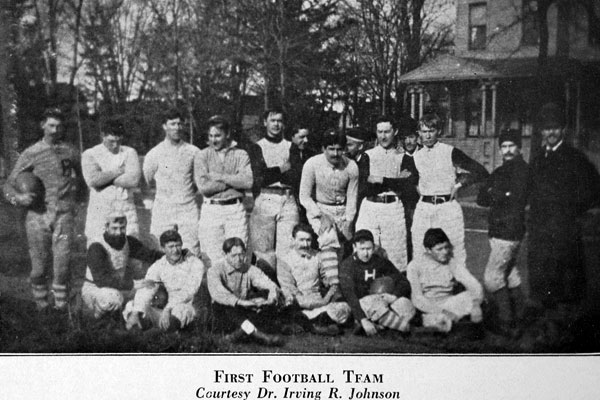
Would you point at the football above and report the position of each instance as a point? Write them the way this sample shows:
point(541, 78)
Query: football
point(381, 285)
point(28, 182)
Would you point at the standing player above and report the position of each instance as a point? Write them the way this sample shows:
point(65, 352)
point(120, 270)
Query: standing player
point(111, 171)
point(438, 184)
point(409, 137)
point(222, 174)
point(300, 151)
point(49, 227)
point(333, 181)
point(505, 192)
point(356, 142)
point(382, 211)
point(171, 165)
point(275, 212)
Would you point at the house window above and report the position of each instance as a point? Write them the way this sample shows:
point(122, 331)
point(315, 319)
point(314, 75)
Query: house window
point(530, 30)
point(477, 26)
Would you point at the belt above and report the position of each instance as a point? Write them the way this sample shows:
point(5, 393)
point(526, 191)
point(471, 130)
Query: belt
point(284, 191)
point(224, 202)
point(437, 199)
point(333, 204)
point(386, 198)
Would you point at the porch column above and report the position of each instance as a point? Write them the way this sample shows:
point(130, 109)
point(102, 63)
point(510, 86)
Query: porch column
point(494, 87)
point(413, 104)
point(483, 108)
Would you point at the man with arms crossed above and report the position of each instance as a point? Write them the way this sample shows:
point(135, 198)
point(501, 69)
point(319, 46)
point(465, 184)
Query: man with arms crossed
point(171, 165)
point(275, 212)
point(222, 174)
point(111, 171)
point(382, 211)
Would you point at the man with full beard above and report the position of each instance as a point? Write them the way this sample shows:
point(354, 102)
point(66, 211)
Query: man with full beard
point(113, 262)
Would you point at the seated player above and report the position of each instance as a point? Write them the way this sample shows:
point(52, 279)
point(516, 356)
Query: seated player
point(302, 279)
point(433, 277)
point(232, 281)
point(181, 273)
point(113, 262)
point(358, 272)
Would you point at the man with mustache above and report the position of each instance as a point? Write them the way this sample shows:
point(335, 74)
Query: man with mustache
point(300, 275)
point(505, 192)
point(563, 186)
point(333, 180)
point(51, 215)
point(113, 262)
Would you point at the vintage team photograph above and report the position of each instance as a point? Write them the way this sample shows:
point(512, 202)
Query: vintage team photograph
point(300, 176)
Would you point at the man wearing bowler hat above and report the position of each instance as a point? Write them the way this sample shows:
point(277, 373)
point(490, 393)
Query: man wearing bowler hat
point(563, 186)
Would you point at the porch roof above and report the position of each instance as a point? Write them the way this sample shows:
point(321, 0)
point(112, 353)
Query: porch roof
point(452, 68)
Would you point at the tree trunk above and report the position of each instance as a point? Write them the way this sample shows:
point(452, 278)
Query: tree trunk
point(7, 94)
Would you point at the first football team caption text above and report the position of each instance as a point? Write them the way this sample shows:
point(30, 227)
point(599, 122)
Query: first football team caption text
point(349, 385)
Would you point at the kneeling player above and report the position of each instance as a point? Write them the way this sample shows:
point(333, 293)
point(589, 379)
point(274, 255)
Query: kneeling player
point(181, 273)
point(113, 262)
point(433, 277)
point(371, 310)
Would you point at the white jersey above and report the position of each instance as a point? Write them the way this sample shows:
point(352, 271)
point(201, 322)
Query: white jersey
point(437, 174)
point(172, 167)
point(104, 200)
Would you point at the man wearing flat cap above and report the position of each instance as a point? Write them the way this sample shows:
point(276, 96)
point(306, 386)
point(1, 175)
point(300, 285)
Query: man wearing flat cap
point(113, 262)
point(505, 192)
point(563, 186)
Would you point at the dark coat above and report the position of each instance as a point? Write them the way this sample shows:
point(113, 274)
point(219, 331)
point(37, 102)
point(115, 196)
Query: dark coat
point(563, 186)
point(505, 192)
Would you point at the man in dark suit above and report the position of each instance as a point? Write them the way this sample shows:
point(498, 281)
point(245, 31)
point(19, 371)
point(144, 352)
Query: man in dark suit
point(563, 186)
